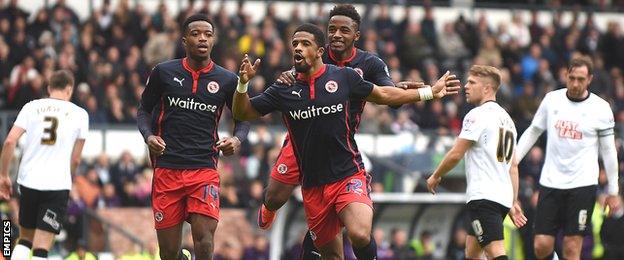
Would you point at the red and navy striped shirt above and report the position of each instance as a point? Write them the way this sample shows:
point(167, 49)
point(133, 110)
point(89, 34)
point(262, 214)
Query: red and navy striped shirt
point(185, 107)
point(317, 112)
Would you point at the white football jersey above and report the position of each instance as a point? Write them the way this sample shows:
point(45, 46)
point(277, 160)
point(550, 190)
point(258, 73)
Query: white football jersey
point(572, 145)
point(489, 159)
point(52, 127)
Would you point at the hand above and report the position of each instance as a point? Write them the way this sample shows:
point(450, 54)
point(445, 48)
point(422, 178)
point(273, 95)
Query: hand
point(432, 183)
point(156, 145)
point(229, 145)
point(516, 215)
point(247, 71)
point(410, 84)
point(614, 203)
point(287, 77)
point(448, 84)
point(6, 188)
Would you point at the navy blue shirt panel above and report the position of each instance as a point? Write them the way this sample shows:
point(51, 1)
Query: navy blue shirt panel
point(186, 107)
point(319, 120)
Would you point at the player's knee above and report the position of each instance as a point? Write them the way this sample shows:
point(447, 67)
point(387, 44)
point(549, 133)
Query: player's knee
point(542, 249)
point(169, 251)
point(204, 243)
point(359, 238)
point(571, 252)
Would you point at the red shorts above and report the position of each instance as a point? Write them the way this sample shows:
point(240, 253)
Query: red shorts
point(286, 169)
point(323, 203)
point(178, 192)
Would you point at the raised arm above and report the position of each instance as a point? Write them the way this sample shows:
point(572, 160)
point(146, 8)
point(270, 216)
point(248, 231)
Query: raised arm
point(242, 109)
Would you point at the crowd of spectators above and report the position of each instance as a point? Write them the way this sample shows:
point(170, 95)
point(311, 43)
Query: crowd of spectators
point(112, 52)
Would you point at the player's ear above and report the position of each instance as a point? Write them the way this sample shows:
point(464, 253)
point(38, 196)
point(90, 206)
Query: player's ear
point(589, 80)
point(320, 51)
point(184, 41)
point(357, 36)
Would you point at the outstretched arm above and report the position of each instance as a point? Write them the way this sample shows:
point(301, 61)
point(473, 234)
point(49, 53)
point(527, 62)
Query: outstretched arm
point(242, 109)
point(390, 95)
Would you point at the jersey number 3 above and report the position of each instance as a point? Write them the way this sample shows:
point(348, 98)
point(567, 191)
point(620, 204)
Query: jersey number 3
point(51, 131)
point(504, 149)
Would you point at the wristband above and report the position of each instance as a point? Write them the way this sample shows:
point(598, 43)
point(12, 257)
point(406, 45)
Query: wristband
point(242, 88)
point(425, 93)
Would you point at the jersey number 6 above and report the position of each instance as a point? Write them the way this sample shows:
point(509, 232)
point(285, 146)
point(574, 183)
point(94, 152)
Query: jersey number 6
point(51, 131)
point(504, 150)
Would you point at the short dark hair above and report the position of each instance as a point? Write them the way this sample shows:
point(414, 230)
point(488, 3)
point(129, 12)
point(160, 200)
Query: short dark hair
point(319, 36)
point(348, 11)
point(60, 79)
point(580, 62)
point(195, 18)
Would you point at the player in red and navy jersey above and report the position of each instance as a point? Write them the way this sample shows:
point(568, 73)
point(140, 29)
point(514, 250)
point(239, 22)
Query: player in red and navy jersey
point(316, 111)
point(178, 118)
point(343, 32)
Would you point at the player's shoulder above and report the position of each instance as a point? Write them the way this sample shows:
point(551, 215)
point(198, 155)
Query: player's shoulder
point(595, 99)
point(369, 57)
point(169, 65)
point(226, 74)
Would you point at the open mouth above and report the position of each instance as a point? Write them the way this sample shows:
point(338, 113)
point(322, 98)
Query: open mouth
point(337, 44)
point(298, 58)
point(202, 48)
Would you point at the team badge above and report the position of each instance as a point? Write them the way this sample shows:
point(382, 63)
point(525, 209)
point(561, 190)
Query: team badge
point(158, 216)
point(282, 168)
point(213, 87)
point(331, 86)
point(359, 72)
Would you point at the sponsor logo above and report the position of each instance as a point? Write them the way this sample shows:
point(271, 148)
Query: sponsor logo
point(212, 87)
point(331, 86)
point(189, 103)
point(282, 168)
point(50, 218)
point(313, 111)
point(158, 216)
point(582, 220)
point(476, 227)
point(296, 93)
point(176, 79)
point(568, 129)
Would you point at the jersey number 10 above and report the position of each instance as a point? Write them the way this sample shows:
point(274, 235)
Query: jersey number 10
point(51, 131)
point(504, 149)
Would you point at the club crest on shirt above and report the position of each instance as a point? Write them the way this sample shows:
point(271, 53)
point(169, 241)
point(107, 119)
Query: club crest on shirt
point(359, 72)
point(212, 87)
point(331, 86)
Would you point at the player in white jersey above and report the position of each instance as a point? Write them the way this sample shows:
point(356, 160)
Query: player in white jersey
point(580, 126)
point(55, 134)
point(487, 140)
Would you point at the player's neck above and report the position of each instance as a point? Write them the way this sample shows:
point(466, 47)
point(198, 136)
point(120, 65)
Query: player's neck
point(198, 64)
point(576, 97)
point(314, 69)
point(59, 95)
point(344, 55)
point(487, 99)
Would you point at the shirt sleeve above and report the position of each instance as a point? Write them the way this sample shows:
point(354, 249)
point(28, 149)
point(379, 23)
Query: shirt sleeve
point(473, 126)
point(539, 120)
point(358, 87)
point(606, 122)
point(267, 101)
point(23, 117)
point(153, 90)
point(379, 73)
point(84, 125)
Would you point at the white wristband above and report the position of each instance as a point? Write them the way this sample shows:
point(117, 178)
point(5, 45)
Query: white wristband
point(242, 88)
point(425, 93)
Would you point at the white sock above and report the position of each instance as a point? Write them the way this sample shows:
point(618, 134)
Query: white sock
point(38, 258)
point(20, 252)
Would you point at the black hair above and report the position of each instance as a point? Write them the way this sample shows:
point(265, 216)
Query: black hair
point(348, 11)
point(319, 36)
point(60, 79)
point(195, 18)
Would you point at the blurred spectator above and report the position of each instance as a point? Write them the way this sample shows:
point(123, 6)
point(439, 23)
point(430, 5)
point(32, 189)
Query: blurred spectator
point(399, 245)
point(383, 247)
point(457, 246)
point(259, 250)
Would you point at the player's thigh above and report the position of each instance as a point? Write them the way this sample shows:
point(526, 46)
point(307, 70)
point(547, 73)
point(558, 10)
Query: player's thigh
point(52, 210)
point(333, 249)
point(357, 217)
point(579, 209)
point(473, 249)
point(170, 238)
point(549, 212)
point(486, 221)
point(495, 249)
point(28, 209)
point(168, 198)
point(202, 227)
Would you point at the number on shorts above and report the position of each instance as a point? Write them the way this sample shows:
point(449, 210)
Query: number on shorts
point(504, 149)
point(51, 131)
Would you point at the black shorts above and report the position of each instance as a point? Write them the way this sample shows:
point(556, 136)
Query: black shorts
point(570, 209)
point(44, 210)
point(486, 220)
